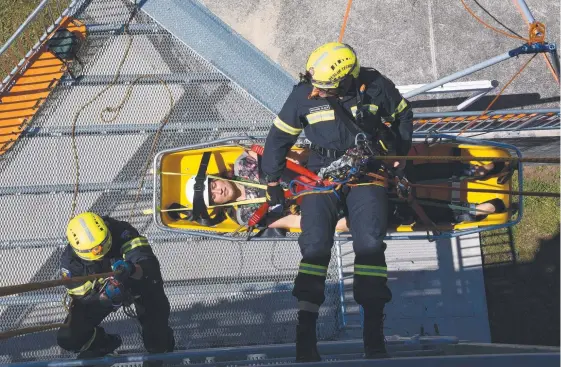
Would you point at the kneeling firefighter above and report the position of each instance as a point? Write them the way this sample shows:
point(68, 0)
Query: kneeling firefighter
point(336, 101)
point(98, 245)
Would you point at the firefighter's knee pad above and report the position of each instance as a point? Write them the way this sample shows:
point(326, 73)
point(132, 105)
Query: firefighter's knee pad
point(316, 252)
point(367, 245)
point(68, 340)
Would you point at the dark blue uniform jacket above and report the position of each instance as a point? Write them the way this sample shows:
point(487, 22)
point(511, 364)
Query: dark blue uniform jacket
point(325, 128)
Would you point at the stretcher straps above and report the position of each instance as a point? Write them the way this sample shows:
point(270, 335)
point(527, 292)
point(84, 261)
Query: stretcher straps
point(422, 214)
point(200, 211)
point(405, 191)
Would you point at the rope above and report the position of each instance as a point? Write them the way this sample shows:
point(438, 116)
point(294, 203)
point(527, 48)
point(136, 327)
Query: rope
point(117, 110)
point(495, 19)
point(524, 193)
point(443, 205)
point(233, 203)
point(28, 287)
point(154, 145)
point(84, 106)
point(345, 17)
point(499, 94)
point(32, 329)
point(547, 61)
point(551, 160)
point(490, 26)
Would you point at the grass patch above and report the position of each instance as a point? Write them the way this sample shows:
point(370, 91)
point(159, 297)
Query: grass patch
point(12, 15)
point(540, 220)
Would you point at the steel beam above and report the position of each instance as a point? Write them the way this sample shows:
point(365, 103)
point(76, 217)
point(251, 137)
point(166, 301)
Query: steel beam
point(57, 131)
point(69, 188)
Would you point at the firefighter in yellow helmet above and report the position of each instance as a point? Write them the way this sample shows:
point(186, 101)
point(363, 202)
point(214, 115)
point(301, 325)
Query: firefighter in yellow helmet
point(104, 244)
point(335, 101)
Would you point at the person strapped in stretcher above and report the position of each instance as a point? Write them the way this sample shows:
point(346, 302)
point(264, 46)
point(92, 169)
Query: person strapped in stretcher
point(243, 186)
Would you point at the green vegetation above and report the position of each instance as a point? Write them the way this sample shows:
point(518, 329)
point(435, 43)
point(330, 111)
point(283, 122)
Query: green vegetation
point(541, 220)
point(12, 14)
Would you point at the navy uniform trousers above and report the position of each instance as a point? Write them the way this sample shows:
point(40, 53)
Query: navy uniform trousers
point(367, 218)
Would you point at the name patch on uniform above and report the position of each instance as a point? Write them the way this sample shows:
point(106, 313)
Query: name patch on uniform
point(320, 108)
point(65, 273)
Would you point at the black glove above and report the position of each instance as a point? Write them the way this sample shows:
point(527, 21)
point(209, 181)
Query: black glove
point(123, 270)
point(275, 198)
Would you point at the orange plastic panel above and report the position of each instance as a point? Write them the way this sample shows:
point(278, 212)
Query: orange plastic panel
point(30, 87)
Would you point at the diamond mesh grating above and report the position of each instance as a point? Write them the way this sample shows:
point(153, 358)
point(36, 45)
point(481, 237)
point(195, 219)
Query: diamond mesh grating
point(222, 293)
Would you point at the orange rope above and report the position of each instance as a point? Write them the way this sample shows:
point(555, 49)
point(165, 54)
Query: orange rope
point(345, 17)
point(520, 11)
point(550, 67)
point(498, 95)
point(547, 61)
point(490, 26)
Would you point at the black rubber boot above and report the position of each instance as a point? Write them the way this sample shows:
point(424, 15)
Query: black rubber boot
point(102, 345)
point(306, 339)
point(373, 333)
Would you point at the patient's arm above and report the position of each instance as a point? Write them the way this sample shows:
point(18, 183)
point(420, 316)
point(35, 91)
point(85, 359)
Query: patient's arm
point(290, 221)
point(293, 221)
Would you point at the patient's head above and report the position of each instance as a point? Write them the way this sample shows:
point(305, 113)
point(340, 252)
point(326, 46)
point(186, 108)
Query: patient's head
point(215, 191)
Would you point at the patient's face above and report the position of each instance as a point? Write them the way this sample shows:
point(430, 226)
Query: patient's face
point(222, 192)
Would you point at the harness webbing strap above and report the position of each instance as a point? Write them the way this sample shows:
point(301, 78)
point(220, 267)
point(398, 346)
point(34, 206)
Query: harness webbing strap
point(199, 212)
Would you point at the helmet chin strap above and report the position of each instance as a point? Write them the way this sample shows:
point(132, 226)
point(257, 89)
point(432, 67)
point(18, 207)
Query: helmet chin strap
point(344, 86)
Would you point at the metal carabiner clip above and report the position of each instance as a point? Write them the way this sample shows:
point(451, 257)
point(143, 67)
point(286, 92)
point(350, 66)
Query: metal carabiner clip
point(364, 138)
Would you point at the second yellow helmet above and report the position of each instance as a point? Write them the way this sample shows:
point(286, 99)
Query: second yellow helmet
point(89, 236)
point(330, 63)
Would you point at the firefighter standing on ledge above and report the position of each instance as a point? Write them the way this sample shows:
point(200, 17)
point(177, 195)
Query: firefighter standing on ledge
point(98, 245)
point(336, 100)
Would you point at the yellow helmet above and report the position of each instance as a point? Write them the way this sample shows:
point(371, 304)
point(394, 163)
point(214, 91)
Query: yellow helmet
point(330, 63)
point(89, 236)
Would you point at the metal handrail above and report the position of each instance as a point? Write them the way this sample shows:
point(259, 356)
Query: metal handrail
point(24, 26)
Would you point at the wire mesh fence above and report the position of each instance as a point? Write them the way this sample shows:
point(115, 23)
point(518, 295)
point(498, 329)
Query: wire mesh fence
point(221, 293)
point(246, 300)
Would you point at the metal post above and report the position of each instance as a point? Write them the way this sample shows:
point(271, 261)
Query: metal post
point(555, 60)
point(341, 283)
point(459, 74)
point(526, 11)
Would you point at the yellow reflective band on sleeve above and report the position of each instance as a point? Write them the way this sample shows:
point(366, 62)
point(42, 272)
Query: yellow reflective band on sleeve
point(402, 105)
point(371, 270)
point(81, 290)
point(314, 118)
point(312, 269)
point(283, 126)
point(372, 108)
point(134, 243)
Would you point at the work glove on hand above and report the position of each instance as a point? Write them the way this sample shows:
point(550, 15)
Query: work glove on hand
point(113, 294)
point(123, 270)
point(275, 198)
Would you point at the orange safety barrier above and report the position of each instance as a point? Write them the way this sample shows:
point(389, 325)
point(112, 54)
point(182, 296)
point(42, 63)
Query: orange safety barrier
point(30, 86)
